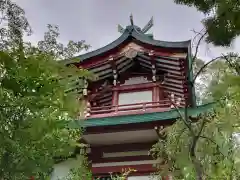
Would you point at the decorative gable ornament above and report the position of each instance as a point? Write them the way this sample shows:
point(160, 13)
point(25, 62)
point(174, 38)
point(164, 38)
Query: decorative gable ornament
point(131, 53)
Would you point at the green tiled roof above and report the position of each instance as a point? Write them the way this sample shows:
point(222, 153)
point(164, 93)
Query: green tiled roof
point(129, 33)
point(141, 118)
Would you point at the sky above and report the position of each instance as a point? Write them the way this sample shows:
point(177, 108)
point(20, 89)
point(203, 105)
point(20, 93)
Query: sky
point(95, 21)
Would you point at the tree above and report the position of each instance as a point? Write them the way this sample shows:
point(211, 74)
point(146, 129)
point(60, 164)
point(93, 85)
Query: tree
point(80, 172)
point(207, 148)
point(208, 79)
point(35, 109)
point(222, 20)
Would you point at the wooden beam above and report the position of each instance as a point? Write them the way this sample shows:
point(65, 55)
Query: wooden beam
point(119, 159)
point(123, 147)
point(127, 127)
point(136, 87)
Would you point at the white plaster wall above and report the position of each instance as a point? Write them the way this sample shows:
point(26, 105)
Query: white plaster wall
point(62, 169)
point(139, 136)
point(126, 163)
point(135, 97)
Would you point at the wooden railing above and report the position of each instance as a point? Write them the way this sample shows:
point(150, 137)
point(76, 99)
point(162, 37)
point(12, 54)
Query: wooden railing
point(129, 107)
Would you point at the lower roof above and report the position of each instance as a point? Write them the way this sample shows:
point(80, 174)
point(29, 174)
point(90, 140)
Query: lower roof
point(141, 118)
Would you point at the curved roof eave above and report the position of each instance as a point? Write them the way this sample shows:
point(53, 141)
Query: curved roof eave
point(165, 44)
point(143, 118)
point(127, 34)
point(99, 51)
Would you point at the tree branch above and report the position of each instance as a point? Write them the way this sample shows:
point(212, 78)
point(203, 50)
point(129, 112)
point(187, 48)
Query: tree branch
point(209, 139)
point(194, 159)
point(203, 67)
point(197, 46)
point(197, 164)
point(237, 69)
point(182, 131)
point(183, 117)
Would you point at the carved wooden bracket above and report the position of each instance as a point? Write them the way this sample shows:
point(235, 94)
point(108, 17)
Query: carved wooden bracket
point(114, 69)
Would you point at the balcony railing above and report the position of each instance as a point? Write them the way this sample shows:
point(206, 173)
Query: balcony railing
point(135, 108)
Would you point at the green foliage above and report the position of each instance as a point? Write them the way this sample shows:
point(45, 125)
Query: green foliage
point(13, 24)
point(217, 78)
point(215, 151)
point(198, 63)
point(81, 172)
point(123, 176)
point(209, 78)
point(223, 22)
point(207, 148)
point(35, 109)
point(34, 114)
point(51, 46)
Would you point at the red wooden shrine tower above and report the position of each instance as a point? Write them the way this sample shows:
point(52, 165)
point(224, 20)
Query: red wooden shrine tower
point(140, 82)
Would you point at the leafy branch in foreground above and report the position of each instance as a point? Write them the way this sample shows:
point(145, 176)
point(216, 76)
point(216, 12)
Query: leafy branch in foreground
point(203, 147)
point(77, 174)
point(50, 45)
point(35, 116)
point(35, 108)
point(222, 23)
point(13, 25)
point(82, 171)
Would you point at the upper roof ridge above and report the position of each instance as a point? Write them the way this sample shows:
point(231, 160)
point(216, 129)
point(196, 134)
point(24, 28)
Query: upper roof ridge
point(132, 27)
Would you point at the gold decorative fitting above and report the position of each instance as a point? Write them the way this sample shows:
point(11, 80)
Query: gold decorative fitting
point(151, 53)
point(131, 53)
point(111, 58)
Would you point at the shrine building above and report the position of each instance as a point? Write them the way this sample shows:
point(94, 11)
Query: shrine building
point(141, 86)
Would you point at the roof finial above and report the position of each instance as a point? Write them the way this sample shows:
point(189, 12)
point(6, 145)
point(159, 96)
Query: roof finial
point(131, 19)
point(136, 28)
point(120, 29)
point(148, 26)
